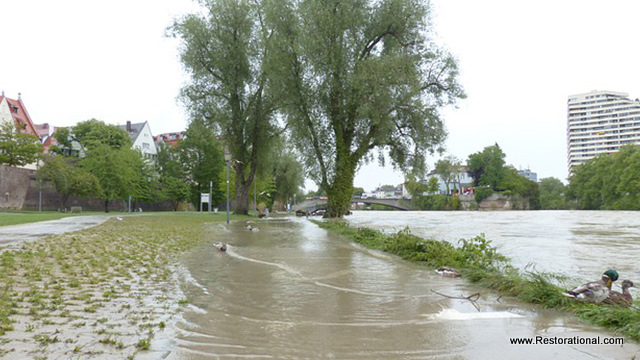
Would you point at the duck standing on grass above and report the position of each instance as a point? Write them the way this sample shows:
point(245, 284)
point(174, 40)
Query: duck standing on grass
point(595, 291)
point(622, 299)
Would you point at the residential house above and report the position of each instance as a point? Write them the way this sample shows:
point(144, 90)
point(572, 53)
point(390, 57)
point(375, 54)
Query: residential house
point(142, 139)
point(76, 149)
point(169, 138)
point(459, 180)
point(529, 174)
point(15, 112)
point(385, 192)
point(43, 131)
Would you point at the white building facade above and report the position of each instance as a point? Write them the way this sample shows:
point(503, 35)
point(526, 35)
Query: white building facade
point(142, 139)
point(460, 181)
point(600, 122)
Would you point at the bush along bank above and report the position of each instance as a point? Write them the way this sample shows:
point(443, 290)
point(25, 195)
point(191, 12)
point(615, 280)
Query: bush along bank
point(480, 263)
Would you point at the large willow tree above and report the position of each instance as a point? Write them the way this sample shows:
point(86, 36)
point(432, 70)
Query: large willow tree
point(224, 50)
point(359, 76)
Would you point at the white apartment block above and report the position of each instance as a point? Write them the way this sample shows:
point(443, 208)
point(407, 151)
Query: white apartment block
point(600, 122)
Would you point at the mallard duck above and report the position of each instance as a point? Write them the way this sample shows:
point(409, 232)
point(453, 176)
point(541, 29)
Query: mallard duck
point(595, 291)
point(221, 246)
point(448, 272)
point(622, 299)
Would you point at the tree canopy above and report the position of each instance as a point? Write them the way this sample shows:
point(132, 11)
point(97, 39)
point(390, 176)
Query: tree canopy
point(608, 181)
point(449, 169)
point(201, 156)
point(68, 179)
point(16, 148)
point(91, 133)
point(224, 50)
point(487, 167)
point(553, 194)
point(359, 76)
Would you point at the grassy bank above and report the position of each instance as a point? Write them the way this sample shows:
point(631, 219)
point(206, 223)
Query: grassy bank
point(480, 263)
point(105, 290)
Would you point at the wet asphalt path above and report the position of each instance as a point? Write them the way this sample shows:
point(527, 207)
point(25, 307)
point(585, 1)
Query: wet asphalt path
point(13, 234)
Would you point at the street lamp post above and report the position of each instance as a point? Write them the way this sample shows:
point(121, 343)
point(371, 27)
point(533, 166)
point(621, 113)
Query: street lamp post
point(227, 158)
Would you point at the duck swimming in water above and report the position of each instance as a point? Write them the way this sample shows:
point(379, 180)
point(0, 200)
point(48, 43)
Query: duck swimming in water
point(221, 246)
point(622, 299)
point(595, 291)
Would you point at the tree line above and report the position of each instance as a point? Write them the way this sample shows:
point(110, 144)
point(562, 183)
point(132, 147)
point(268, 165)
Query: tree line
point(343, 80)
point(344, 83)
point(94, 159)
point(489, 174)
point(605, 182)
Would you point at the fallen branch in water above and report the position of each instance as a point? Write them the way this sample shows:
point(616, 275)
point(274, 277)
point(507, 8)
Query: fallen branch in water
point(472, 297)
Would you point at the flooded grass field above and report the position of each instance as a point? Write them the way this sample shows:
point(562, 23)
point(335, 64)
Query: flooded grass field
point(102, 293)
point(155, 287)
point(293, 290)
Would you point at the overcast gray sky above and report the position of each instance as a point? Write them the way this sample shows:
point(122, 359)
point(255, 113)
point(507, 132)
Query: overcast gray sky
point(519, 61)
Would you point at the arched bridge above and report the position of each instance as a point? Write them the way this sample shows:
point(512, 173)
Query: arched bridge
point(310, 206)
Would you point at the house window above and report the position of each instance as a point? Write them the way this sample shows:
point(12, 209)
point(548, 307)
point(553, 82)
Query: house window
point(145, 146)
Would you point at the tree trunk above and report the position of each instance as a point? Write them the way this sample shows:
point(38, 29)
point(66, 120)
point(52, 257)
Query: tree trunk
point(242, 198)
point(106, 206)
point(63, 200)
point(341, 191)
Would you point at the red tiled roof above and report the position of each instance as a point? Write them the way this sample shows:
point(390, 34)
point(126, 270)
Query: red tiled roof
point(170, 138)
point(21, 116)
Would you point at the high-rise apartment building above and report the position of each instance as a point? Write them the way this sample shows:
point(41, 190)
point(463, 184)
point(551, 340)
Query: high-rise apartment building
point(600, 122)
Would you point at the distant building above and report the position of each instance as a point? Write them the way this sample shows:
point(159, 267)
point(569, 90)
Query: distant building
point(529, 174)
point(385, 192)
point(142, 139)
point(600, 122)
point(462, 179)
point(14, 111)
point(75, 150)
point(169, 138)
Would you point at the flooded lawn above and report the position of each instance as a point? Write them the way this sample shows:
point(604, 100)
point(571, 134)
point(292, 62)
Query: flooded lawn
point(155, 287)
point(293, 290)
point(108, 292)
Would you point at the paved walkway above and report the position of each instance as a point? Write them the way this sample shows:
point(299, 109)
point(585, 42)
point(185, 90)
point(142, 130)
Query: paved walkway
point(13, 234)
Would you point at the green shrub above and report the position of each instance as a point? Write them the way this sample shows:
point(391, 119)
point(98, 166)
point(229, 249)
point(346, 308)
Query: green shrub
point(454, 202)
point(478, 252)
point(481, 263)
point(482, 193)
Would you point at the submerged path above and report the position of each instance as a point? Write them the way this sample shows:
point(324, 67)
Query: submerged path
point(30, 231)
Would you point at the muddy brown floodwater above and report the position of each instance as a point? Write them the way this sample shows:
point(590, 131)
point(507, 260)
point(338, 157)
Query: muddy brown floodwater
point(293, 290)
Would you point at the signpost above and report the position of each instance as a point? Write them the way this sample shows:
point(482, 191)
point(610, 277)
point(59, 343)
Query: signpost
point(204, 198)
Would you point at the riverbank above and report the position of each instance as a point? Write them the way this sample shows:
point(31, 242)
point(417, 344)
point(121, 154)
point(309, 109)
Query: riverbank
point(103, 292)
point(480, 263)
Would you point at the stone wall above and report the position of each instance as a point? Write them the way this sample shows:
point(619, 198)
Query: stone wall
point(494, 202)
point(19, 191)
point(14, 185)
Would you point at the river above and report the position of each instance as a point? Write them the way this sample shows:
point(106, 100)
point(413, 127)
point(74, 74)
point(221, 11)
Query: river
point(292, 290)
